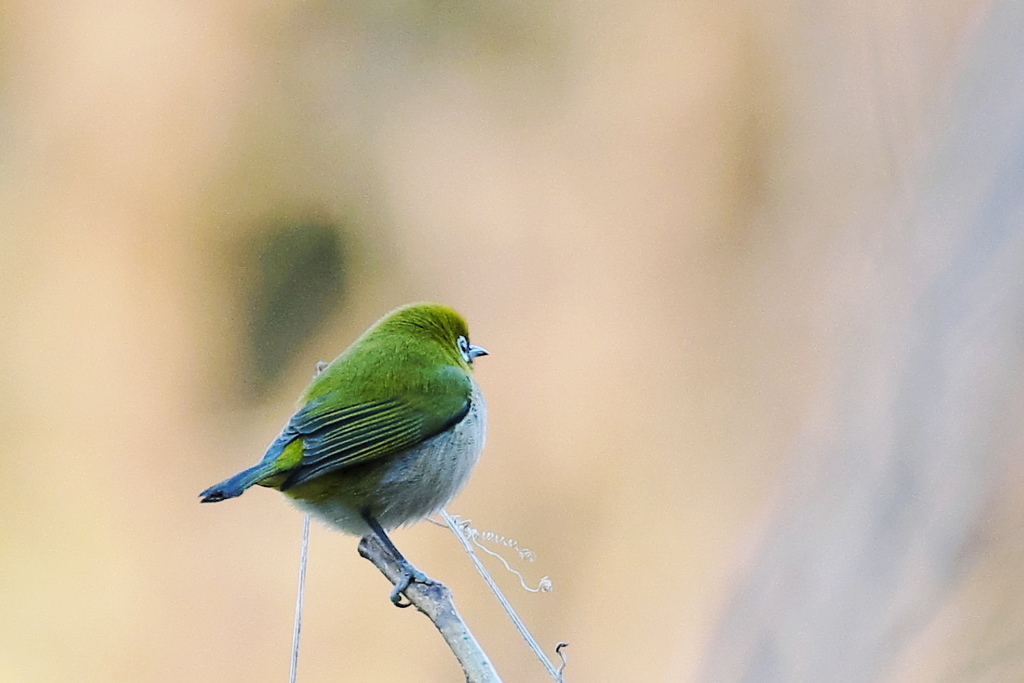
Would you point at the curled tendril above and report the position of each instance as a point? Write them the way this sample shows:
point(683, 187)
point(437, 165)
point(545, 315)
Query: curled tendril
point(561, 655)
point(478, 538)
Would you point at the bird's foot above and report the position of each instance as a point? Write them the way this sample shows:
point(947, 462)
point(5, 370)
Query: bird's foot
point(409, 576)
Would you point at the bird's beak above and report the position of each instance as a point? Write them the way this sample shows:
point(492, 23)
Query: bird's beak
point(475, 351)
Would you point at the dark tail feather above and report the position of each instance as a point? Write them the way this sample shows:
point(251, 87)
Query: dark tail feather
point(236, 485)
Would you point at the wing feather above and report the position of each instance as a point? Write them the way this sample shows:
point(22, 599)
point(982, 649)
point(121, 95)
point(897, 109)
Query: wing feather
point(338, 437)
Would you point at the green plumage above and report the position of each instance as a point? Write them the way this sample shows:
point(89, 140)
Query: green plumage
point(396, 410)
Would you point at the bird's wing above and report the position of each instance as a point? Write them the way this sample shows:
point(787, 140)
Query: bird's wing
point(336, 437)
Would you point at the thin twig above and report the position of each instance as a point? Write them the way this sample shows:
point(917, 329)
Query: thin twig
point(435, 601)
point(299, 600)
point(555, 673)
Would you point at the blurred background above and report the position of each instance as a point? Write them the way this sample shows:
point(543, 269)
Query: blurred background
point(751, 275)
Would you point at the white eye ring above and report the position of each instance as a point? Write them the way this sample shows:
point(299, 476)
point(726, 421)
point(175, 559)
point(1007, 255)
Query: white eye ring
point(464, 349)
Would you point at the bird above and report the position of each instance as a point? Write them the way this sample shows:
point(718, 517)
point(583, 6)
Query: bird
point(385, 435)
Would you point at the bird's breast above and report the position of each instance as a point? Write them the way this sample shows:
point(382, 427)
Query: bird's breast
point(426, 477)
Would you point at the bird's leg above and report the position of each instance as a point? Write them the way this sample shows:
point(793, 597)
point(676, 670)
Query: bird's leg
point(409, 573)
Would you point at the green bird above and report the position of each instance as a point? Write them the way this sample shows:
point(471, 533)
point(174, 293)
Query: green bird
point(387, 433)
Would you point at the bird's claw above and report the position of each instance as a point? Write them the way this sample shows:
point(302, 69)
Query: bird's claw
point(409, 576)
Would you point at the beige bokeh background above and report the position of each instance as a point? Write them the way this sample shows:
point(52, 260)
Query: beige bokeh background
point(669, 223)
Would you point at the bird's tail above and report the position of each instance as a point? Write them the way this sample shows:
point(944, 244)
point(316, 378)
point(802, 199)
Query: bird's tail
point(236, 485)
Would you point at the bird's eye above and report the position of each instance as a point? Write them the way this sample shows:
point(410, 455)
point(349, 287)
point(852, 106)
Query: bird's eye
point(464, 349)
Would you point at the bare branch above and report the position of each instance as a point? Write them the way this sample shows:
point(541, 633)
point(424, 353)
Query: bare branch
point(435, 601)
